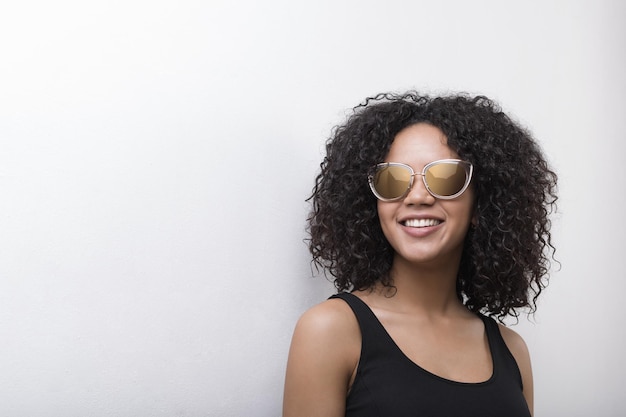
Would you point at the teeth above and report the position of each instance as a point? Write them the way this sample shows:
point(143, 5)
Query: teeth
point(421, 222)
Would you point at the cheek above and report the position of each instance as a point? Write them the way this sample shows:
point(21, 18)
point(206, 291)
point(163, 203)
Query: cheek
point(473, 213)
point(385, 210)
point(387, 219)
point(465, 217)
point(384, 214)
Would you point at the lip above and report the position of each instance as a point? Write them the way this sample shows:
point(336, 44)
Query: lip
point(421, 231)
point(422, 216)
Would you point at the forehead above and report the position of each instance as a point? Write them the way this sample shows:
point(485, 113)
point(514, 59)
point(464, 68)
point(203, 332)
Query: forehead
point(418, 145)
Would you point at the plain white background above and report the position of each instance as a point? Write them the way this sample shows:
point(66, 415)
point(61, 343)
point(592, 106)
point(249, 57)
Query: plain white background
point(155, 157)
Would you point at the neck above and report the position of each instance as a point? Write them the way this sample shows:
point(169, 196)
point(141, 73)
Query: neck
point(430, 289)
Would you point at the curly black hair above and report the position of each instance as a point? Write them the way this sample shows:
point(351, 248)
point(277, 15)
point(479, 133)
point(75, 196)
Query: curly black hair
point(506, 256)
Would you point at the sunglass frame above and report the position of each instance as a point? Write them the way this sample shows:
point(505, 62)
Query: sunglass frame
point(469, 170)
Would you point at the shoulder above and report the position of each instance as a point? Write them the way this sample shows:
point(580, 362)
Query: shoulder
point(324, 353)
point(516, 345)
point(331, 322)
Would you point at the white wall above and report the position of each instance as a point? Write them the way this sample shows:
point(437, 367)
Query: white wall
point(155, 157)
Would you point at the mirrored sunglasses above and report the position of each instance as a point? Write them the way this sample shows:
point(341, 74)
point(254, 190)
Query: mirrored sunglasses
point(445, 179)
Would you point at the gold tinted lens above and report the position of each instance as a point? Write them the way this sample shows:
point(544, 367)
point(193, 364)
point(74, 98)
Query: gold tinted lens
point(446, 178)
point(392, 181)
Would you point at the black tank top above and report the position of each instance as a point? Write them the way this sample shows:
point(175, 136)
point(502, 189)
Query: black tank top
point(389, 384)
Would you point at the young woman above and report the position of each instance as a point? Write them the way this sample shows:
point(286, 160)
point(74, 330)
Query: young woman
point(431, 214)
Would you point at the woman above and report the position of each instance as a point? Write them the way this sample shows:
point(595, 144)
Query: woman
point(431, 214)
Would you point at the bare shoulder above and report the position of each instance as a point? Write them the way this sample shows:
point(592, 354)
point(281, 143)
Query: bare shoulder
point(519, 350)
point(330, 332)
point(324, 352)
point(514, 341)
point(331, 318)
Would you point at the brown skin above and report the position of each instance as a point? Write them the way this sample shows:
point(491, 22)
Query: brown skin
point(423, 316)
point(326, 347)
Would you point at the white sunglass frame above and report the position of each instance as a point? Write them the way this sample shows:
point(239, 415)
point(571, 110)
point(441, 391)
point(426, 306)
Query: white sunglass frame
point(469, 170)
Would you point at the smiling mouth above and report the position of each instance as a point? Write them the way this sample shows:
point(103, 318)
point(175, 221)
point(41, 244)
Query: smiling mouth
point(421, 222)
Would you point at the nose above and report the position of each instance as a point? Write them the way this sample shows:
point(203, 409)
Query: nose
point(418, 194)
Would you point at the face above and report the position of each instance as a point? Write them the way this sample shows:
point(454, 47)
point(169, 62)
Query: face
point(421, 228)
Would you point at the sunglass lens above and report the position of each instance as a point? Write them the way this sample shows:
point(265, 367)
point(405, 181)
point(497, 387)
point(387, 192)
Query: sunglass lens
point(392, 181)
point(446, 179)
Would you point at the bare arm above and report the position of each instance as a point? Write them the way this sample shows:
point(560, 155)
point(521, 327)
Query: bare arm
point(324, 353)
point(518, 348)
